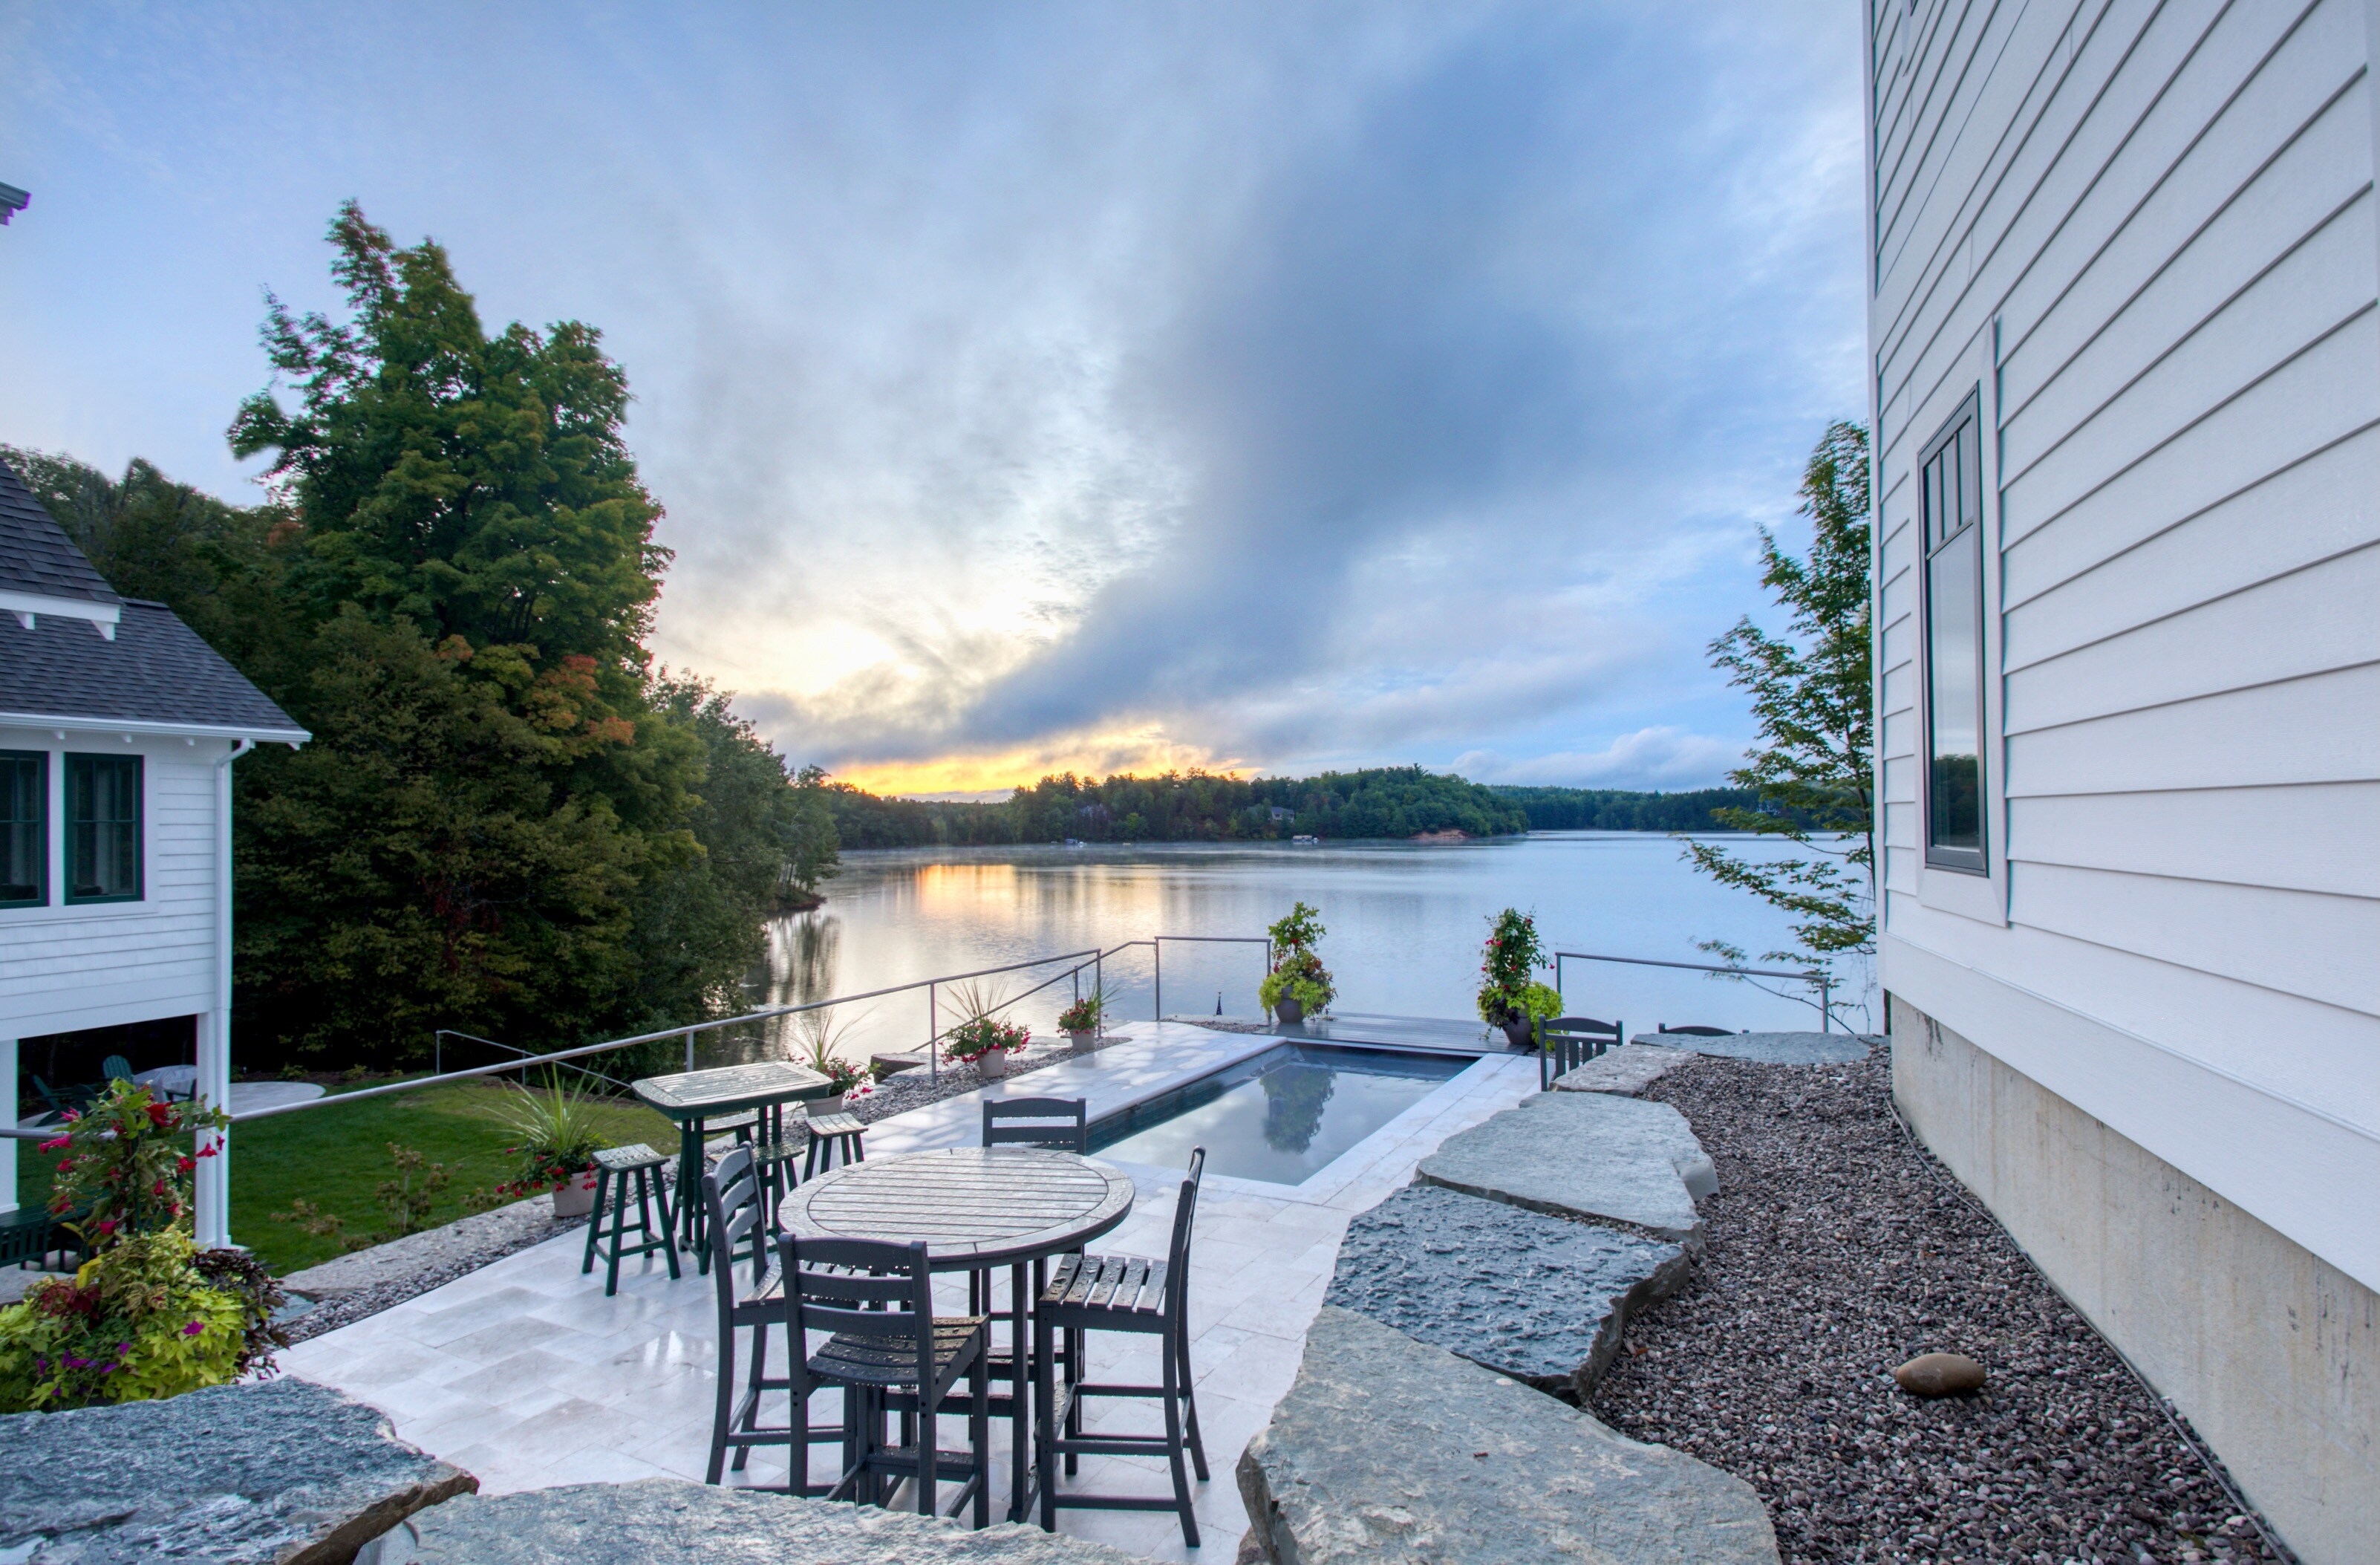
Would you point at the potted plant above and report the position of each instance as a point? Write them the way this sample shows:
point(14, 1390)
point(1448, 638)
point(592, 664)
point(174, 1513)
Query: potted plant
point(986, 1042)
point(1510, 995)
point(1080, 1023)
point(1298, 985)
point(822, 1039)
point(558, 1142)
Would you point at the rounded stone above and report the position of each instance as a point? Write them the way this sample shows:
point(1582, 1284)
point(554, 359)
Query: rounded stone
point(1940, 1375)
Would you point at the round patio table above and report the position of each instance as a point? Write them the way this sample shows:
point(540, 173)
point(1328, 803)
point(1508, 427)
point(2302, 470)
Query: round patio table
point(977, 1207)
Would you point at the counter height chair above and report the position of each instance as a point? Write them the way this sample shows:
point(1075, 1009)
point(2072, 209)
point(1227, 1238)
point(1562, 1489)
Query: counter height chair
point(890, 1352)
point(845, 1132)
point(1089, 1294)
point(751, 1297)
point(1054, 1124)
point(616, 1168)
point(1565, 1043)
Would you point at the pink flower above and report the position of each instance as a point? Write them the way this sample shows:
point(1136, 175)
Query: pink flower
point(53, 1145)
point(192, 1330)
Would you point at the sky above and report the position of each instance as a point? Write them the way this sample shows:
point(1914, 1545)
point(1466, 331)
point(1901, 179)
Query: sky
point(1033, 387)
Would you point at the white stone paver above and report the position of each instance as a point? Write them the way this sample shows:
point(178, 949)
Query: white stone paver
point(524, 1374)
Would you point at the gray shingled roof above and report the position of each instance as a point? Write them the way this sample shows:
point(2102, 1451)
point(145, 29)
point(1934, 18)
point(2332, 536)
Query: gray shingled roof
point(156, 671)
point(36, 555)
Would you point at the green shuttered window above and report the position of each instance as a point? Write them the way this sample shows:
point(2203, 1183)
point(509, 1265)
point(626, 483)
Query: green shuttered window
point(24, 828)
point(103, 829)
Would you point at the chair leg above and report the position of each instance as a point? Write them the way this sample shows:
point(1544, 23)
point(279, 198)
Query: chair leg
point(594, 1221)
point(927, 1441)
point(619, 1229)
point(979, 1432)
point(726, 1407)
point(752, 1408)
point(1173, 1442)
point(645, 1178)
point(1045, 1423)
point(1190, 1406)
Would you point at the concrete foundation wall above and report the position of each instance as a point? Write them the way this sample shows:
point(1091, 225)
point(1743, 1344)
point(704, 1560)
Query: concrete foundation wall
point(2272, 1353)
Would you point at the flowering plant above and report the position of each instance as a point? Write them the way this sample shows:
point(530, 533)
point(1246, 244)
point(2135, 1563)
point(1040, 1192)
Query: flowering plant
point(1297, 971)
point(558, 1135)
point(1083, 1016)
point(126, 1170)
point(1509, 993)
point(140, 1320)
point(980, 1036)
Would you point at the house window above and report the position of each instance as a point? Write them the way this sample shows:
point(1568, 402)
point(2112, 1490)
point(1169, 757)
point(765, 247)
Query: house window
point(1951, 495)
point(103, 829)
point(24, 828)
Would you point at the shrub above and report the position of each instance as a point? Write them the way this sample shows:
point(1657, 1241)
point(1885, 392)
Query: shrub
point(138, 1321)
point(558, 1137)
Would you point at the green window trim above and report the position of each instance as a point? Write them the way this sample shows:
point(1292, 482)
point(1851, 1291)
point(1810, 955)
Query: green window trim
point(104, 861)
point(24, 828)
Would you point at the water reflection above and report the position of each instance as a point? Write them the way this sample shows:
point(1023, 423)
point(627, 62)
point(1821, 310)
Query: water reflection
point(1296, 1097)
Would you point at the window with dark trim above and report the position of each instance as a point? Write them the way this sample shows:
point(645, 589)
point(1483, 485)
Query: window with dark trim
point(24, 828)
point(1951, 495)
point(103, 829)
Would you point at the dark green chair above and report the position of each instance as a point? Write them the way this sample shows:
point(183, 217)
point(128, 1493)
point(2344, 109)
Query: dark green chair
point(1565, 1043)
point(614, 1167)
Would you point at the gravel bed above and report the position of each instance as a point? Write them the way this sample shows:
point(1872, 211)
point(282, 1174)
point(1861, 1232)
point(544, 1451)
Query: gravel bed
point(1839, 1248)
point(465, 1245)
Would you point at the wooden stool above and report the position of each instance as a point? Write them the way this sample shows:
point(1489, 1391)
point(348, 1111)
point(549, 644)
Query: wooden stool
point(615, 1166)
point(829, 1131)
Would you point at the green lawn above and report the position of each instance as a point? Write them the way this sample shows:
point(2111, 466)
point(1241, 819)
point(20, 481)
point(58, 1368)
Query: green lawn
point(335, 1156)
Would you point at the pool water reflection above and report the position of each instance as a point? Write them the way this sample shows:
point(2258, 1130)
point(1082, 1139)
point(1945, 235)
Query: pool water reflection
point(1280, 1116)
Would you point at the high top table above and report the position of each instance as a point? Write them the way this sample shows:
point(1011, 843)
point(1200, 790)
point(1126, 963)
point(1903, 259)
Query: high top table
point(977, 1207)
point(691, 1097)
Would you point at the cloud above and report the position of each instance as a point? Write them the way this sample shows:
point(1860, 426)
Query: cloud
point(1661, 758)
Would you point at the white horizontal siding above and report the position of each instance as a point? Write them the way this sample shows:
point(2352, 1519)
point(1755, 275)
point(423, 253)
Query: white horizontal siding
point(2161, 218)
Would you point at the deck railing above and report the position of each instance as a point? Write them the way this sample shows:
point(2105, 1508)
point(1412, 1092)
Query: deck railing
point(1816, 977)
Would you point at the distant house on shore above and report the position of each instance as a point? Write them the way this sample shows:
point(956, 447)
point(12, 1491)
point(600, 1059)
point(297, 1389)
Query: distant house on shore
point(118, 728)
point(2127, 414)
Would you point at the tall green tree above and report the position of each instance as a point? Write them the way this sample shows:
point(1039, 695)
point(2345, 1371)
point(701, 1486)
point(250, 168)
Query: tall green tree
point(1813, 698)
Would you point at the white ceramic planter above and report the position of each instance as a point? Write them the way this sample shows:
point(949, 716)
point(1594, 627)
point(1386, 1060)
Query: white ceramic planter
point(820, 1108)
point(1083, 1042)
point(992, 1064)
point(577, 1198)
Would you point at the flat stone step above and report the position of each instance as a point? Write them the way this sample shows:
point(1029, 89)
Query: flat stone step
point(1584, 1154)
point(1773, 1048)
point(1388, 1449)
point(1626, 1070)
point(1543, 1300)
point(264, 1472)
point(666, 1521)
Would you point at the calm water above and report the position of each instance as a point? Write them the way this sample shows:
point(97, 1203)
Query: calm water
point(1404, 921)
point(1281, 1116)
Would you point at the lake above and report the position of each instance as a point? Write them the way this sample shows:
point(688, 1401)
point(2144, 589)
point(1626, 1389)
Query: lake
point(1405, 922)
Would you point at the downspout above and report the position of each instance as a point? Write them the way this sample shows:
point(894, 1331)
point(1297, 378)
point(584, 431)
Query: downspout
point(214, 1085)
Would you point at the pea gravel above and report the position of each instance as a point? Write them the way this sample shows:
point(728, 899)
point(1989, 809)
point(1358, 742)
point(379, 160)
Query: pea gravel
point(1839, 1248)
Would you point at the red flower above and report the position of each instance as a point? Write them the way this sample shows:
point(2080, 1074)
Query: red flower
point(160, 1115)
point(185, 1164)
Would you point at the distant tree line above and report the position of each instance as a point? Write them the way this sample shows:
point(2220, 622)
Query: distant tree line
point(1611, 809)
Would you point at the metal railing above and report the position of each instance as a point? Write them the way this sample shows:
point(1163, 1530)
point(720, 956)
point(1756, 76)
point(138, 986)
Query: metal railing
point(1816, 977)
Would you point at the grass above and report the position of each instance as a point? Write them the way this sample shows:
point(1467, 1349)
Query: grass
point(334, 1158)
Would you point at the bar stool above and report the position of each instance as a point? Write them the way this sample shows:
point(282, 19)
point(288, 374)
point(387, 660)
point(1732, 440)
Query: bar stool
point(829, 1132)
point(614, 1167)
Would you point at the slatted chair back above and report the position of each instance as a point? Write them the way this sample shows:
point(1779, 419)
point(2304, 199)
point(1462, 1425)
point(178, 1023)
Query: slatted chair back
point(1565, 1043)
point(731, 1199)
point(115, 1069)
point(862, 1287)
point(1177, 1252)
point(1054, 1124)
point(1697, 1032)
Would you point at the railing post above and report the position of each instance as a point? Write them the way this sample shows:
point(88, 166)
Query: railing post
point(1826, 1006)
point(689, 1048)
point(933, 1032)
point(1157, 1001)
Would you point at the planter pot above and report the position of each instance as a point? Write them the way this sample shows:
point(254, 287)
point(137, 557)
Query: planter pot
point(819, 1107)
point(991, 1064)
point(1291, 1011)
point(1084, 1041)
point(1521, 1034)
point(577, 1198)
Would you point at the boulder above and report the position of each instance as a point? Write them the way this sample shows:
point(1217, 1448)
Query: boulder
point(1626, 1070)
point(264, 1472)
point(1543, 1300)
point(1388, 1451)
point(666, 1521)
point(1584, 1154)
point(1771, 1048)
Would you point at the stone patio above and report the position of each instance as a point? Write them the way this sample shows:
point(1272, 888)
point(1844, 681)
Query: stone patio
point(525, 1374)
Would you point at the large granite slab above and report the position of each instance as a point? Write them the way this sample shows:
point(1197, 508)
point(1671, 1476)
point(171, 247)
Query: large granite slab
point(665, 1521)
point(1540, 1298)
point(1772, 1048)
point(1626, 1070)
point(1584, 1154)
point(1388, 1451)
point(265, 1472)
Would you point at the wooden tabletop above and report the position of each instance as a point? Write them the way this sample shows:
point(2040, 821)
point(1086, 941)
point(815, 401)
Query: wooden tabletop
point(704, 1094)
point(973, 1205)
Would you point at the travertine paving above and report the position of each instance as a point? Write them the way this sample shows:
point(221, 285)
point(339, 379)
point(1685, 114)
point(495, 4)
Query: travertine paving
point(526, 1374)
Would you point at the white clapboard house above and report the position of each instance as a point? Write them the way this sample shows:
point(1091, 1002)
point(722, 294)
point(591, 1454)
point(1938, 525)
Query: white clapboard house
point(2123, 272)
point(118, 729)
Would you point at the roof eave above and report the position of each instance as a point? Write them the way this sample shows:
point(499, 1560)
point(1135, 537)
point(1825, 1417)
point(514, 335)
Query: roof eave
point(95, 723)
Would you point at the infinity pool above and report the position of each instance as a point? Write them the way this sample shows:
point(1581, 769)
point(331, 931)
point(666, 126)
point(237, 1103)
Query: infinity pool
point(1278, 1116)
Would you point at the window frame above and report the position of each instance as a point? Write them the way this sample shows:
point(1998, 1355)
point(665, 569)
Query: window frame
point(41, 760)
point(75, 760)
point(1966, 421)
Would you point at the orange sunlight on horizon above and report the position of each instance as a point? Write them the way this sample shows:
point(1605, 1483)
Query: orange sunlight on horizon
point(1144, 754)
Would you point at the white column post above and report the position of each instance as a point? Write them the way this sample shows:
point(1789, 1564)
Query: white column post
point(8, 1114)
point(213, 1086)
